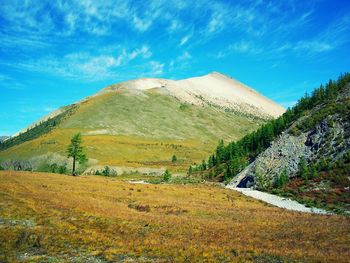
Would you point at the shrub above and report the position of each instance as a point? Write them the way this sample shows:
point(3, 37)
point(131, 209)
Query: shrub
point(312, 170)
point(106, 171)
point(174, 158)
point(54, 168)
point(282, 179)
point(166, 176)
point(303, 169)
point(294, 131)
point(62, 169)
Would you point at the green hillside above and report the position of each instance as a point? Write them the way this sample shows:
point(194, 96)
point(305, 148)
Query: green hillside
point(124, 128)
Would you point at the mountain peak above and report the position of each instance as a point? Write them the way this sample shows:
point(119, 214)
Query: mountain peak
point(214, 88)
point(216, 73)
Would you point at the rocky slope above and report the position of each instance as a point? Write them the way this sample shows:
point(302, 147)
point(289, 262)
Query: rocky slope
point(310, 160)
point(329, 139)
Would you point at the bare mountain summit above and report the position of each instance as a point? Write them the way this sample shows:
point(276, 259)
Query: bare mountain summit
point(214, 88)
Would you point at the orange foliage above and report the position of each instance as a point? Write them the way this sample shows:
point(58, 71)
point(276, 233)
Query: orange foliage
point(114, 220)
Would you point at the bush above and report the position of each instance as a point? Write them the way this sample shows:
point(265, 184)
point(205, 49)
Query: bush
point(62, 169)
point(303, 168)
point(174, 158)
point(106, 171)
point(282, 179)
point(54, 168)
point(294, 131)
point(166, 176)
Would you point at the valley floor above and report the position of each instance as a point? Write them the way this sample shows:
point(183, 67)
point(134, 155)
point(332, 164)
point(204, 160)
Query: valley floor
point(58, 218)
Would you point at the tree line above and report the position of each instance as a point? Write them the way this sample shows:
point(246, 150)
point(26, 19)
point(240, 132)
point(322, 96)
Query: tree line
point(229, 160)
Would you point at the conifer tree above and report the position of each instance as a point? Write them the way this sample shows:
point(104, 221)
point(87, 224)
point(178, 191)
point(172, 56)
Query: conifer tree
point(76, 151)
point(303, 169)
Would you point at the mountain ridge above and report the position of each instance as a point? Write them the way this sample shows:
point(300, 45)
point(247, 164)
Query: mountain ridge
point(161, 83)
point(144, 122)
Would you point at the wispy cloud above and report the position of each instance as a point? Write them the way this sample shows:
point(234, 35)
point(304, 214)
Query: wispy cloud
point(244, 47)
point(185, 39)
point(9, 83)
point(86, 66)
point(156, 68)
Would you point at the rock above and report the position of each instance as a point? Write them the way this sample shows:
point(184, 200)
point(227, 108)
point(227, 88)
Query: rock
point(329, 138)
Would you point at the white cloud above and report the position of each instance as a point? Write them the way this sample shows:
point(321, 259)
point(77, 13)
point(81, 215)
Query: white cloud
point(141, 24)
point(313, 46)
point(216, 23)
point(245, 47)
point(184, 40)
point(157, 68)
point(143, 51)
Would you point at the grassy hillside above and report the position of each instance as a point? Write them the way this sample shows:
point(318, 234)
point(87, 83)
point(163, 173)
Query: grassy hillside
point(55, 218)
point(143, 129)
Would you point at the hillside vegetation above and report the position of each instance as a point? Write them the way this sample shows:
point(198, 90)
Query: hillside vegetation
point(134, 130)
point(308, 142)
point(55, 218)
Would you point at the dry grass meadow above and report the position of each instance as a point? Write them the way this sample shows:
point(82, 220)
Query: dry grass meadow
point(58, 218)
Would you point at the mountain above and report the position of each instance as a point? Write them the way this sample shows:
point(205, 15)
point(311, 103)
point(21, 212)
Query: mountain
point(144, 122)
point(303, 154)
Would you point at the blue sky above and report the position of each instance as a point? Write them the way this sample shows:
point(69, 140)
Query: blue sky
point(53, 53)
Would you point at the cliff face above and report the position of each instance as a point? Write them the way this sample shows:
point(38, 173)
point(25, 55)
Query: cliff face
point(323, 133)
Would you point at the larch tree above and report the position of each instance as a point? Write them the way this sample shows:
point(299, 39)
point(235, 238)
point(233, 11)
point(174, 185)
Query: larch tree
point(75, 150)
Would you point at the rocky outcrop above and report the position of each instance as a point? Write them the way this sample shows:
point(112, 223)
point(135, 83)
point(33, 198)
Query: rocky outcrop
point(330, 138)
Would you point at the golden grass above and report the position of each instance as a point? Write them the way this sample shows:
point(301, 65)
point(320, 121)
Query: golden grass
point(118, 150)
point(114, 220)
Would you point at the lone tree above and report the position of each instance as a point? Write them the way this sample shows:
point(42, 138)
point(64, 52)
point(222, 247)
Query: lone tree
point(174, 158)
point(76, 151)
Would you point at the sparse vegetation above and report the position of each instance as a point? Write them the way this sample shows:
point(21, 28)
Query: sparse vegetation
point(322, 185)
point(53, 168)
point(48, 217)
point(125, 143)
point(166, 176)
point(107, 171)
